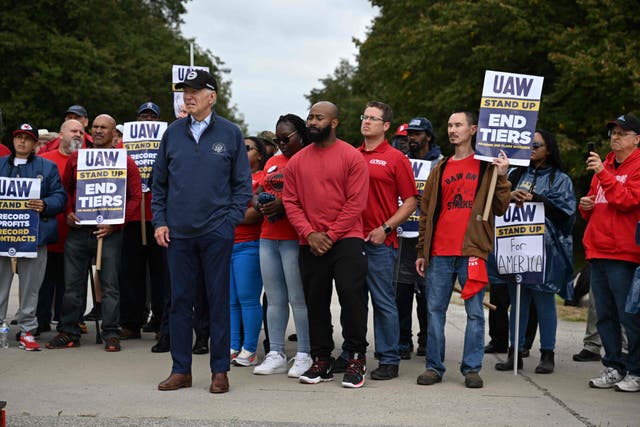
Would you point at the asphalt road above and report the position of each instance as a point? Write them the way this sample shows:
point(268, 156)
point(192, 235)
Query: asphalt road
point(86, 386)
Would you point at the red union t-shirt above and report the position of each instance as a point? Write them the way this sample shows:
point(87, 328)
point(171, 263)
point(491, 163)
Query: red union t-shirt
point(458, 187)
point(273, 182)
point(390, 178)
point(249, 232)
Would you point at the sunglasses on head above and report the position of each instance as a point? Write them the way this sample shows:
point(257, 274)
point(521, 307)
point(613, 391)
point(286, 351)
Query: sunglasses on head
point(284, 139)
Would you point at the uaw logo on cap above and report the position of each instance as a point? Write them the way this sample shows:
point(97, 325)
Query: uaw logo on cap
point(192, 75)
point(414, 122)
point(26, 126)
point(150, 105)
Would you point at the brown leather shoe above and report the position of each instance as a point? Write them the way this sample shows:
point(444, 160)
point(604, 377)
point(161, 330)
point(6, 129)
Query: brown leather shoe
point(219, 383)
point(175, 381)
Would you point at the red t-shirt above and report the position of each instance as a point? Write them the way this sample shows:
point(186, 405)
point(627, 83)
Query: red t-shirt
point(250, 232)
point(273, 182)
point(4, 150)
point(61, 161)
point(458, 187)
point(390, 178)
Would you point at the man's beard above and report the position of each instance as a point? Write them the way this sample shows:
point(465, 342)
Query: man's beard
point(317, 135)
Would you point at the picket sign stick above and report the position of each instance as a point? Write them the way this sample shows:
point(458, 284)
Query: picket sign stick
point(14, 265)
point(99, 255)
point(143, 222)
point(516, 338)
point(486, 304)
point(492, 190)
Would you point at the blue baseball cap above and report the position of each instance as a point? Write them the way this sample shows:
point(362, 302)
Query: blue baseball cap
point(149, 106)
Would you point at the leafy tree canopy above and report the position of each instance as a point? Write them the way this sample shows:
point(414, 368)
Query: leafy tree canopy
point(108, 55)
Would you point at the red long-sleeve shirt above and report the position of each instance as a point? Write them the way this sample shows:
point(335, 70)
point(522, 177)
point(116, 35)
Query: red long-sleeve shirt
point(325, 190)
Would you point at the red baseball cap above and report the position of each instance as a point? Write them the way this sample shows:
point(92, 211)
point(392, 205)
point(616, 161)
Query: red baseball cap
point(402, 130)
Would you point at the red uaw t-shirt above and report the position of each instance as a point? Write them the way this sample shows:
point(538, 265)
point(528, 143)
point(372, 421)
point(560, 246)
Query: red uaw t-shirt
point(249, 232)
point(390, 178)
point(458, 188)
point(273, 182)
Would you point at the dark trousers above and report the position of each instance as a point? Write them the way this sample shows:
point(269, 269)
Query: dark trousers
point(346, 264)
point(207, 256)
point(136, 257)
point(52, 289)
point(404, 299)
point(79, 249)
point(499, 319)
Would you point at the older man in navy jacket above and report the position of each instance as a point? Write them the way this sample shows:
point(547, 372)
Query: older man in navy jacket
point(201, 188)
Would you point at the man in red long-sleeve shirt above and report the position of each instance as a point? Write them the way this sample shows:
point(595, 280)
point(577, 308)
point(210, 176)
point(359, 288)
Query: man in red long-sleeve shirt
point(80, 247)
point(325, 192)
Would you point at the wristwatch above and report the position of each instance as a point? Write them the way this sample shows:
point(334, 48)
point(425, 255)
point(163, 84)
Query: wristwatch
point(386, 228)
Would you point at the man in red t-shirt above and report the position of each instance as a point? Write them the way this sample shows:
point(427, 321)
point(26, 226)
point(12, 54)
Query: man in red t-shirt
point(390, 179)
point(52, 289)
point(325, 192)
point(454, 243)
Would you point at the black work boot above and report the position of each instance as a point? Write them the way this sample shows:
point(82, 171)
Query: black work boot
point(546, 362)
point(508, 364)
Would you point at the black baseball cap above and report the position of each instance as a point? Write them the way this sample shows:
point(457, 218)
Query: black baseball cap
point(28, 129)
point(199, 79)
point(626, 122)
point(420, 124)
point(78, 110)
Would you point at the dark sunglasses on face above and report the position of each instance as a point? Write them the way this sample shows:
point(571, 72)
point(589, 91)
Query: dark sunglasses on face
point(249, 148)
point(284, 139)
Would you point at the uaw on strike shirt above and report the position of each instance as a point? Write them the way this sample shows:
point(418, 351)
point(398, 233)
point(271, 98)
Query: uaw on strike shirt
point(458, 187)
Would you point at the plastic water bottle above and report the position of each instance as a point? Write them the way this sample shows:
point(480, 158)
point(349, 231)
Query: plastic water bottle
point(4, 336)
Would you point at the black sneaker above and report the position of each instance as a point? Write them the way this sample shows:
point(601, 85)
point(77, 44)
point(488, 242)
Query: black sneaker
point(153, 325)
point(112, 344)
point(320, 371)
point(586, 356)
point(356, 371)
point(339, 365)
point(384, 372)
point(422, 350)
point(163, 345)
point(63, 340)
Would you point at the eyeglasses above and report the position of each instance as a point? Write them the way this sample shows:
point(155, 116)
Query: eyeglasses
point(249, 147)
point(285, 139)
point(537, 145)
point(614, 132)
point(371, 118)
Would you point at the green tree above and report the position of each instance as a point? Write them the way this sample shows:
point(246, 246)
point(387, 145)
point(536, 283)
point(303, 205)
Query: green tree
point(109, 56)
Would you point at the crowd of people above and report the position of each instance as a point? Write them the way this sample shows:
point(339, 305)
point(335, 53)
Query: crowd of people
point(297, 212)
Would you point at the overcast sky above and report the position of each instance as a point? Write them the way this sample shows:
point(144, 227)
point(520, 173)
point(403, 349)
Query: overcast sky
point(277, 49)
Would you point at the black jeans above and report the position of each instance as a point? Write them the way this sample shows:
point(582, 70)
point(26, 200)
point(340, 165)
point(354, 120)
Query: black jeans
point(346, 263)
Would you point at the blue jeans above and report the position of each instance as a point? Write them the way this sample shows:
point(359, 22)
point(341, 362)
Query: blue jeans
point(610, 283)
point(283, 286)
point(441, 276)
point(245, 290)
point(207, 256)
point(545, 306)
point(386, 326)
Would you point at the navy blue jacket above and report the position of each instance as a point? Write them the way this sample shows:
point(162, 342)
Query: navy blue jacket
point(51, 191)
point(200, 187)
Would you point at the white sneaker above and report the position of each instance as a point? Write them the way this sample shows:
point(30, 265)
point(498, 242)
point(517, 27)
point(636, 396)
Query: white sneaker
point(629, 383)
point(607, 379)
point(245, 358)
point(301, 364)
point(233, 354)
point(274, 363)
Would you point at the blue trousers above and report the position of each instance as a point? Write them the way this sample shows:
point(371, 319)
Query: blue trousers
point(547, 317)
point(610, 283)
point(245, 291)
point(209, 255)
